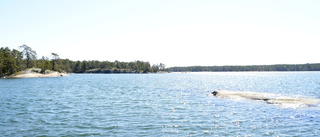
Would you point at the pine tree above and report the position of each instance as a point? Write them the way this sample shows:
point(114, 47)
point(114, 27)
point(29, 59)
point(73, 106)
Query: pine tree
point(29, 54)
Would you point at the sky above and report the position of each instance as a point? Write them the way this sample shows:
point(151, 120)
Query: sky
point(173, 32)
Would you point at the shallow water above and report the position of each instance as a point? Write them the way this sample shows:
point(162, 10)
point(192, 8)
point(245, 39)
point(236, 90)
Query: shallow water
point(175, 104)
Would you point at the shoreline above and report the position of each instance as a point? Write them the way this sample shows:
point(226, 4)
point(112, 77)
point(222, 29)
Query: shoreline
point(39, 75)
point(35, 73)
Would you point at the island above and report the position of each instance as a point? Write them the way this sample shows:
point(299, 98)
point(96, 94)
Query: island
point(24, 63)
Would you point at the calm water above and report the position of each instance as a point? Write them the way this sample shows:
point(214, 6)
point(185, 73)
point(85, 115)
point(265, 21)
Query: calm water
point(175, 104)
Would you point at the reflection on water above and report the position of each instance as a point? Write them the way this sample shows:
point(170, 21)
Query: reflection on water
point(173, 104)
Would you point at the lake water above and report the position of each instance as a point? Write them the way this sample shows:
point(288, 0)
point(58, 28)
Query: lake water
point(174, 104)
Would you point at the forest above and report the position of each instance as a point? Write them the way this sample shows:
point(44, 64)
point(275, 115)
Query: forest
point(12, 61)
point(278, 67)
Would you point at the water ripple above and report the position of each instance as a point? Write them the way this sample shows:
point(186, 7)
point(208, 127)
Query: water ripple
point(155, 105)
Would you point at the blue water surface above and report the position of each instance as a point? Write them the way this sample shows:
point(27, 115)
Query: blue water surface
point(173, 104)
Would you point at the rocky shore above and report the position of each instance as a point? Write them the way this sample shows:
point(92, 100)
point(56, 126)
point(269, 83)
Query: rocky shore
point(35, 72)
point(268, 98)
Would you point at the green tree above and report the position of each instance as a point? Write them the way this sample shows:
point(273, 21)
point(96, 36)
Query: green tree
point(117, 63)
point(19, 59)
point(84, 66)
point(1, 61)
point(146, 67)
point(162, 67)
point(29, 54)
point(155, 68)
point(8, 63)
point(67, 65)
point(44, 64)
point(77, 67)
point(56, 62)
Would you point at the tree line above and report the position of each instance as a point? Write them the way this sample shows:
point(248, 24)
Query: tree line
point(12, 61)
point(278, 67)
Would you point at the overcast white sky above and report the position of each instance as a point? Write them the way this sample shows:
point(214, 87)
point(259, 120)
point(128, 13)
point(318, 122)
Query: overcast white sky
point(174, 32)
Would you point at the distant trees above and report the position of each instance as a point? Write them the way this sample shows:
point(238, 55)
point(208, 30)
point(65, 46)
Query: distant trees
point(84, 66)
point(67, 65)
point(162, 67)
point(114, 67)
point(14, 60)
point(29, 54)
point(159, 67)
point(77, 67)
point(44, 64)
point(11, 61)
point(56, 62)
point(17, 55)
point(278, 67)
point(7, 62)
